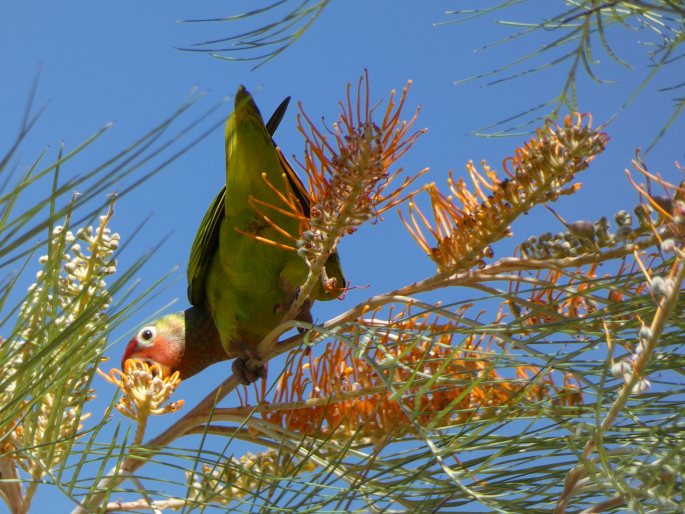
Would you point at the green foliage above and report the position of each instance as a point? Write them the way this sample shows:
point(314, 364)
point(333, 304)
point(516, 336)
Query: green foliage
point(575, 35)
point(54, 335)
point(266, 41)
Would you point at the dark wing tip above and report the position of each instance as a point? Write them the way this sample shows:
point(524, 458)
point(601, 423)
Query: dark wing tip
point(277, 116)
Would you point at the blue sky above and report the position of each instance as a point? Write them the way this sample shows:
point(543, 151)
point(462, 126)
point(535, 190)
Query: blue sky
point(118, 61)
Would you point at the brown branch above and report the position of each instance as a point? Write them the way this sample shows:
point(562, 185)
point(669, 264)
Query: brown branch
point(143, 504)
point(10, 487)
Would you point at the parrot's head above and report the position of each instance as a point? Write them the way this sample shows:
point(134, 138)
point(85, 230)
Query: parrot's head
point(186, 342)
point(161, 342)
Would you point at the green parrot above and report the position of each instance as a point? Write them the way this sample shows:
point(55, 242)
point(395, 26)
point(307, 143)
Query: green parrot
point(239, 286)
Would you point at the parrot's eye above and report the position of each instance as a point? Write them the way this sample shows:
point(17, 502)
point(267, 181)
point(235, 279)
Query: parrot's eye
point(146, 336)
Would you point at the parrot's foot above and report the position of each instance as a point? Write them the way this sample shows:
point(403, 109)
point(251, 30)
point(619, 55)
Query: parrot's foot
point(292, 294)
point(246, 375)
point(305, 312)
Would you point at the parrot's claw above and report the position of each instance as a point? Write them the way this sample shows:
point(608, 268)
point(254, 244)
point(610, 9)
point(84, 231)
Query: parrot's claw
point(244, 374)
point(292, 293)
point(305, 315)
point(305, 312)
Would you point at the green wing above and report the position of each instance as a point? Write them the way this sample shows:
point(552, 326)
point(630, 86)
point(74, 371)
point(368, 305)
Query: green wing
point(207, 237)
point(203, 248)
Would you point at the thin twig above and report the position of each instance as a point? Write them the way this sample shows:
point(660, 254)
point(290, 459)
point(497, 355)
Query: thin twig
point(663, 313)
point(143, 504)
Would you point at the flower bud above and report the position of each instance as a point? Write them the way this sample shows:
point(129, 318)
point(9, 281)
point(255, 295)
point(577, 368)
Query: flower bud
point(622, 369)
point(641, 386)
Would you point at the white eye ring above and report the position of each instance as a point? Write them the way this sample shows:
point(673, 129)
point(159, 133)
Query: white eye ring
point(146, 336)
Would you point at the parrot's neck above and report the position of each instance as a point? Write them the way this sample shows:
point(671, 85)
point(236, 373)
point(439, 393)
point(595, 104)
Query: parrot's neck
point(202, 342)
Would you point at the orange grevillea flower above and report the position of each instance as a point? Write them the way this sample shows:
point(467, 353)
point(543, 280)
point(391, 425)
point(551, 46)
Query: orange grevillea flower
point(349, 166)
point(420, 371)
point(555, 296)
point(467, 222)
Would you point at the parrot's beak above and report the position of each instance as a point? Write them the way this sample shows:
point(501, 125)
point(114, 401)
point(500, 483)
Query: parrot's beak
point(130, 353)
point(165, 371)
